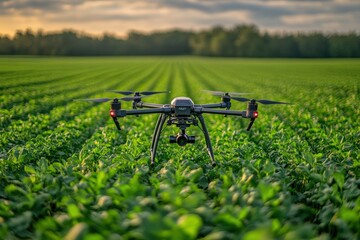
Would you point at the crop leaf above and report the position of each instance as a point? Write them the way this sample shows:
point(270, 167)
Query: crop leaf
point(190, 224)
point(340, 179)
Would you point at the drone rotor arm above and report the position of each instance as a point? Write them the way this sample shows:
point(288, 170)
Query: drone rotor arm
point(222, 112)
point(149, 105)
point(214, 105)
point(148, 111)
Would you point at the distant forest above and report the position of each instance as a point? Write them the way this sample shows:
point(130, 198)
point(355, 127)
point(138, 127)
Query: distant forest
point(239, 41)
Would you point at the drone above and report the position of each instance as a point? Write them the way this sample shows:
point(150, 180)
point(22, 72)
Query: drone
point(181, 112)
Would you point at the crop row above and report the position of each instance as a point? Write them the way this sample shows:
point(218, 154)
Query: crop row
point(67, 172)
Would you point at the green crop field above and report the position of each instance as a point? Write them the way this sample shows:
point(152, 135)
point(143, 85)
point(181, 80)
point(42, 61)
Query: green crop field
point(66, 172)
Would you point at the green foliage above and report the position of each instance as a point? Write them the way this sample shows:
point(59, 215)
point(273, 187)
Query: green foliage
point(67, 173)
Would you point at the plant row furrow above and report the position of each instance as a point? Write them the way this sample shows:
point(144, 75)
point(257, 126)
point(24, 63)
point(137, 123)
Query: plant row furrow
point(21, 130)
point(44, 105)
point(67, 84)
point(69, 173)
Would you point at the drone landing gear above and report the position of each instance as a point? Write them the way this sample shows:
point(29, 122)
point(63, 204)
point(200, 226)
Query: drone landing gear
point(155, 140)
point(207, 139)
point(181, 139)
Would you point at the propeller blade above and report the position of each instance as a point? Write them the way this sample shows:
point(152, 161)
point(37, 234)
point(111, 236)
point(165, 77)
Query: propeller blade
point(270, 102)
point(100, 100)
point(146, 93)
point(215, 93)
point(219, 93)
point(130, 98)
point(241, 99)
point(122, 92)
point(260, 101)
point(237, 93)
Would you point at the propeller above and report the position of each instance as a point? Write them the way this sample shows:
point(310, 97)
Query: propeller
point(146, 93)
point(131, 98)
point(260, 101)
point(101, 100)
point(219, 93)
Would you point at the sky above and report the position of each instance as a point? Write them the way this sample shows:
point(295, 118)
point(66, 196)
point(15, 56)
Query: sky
point(120, 16)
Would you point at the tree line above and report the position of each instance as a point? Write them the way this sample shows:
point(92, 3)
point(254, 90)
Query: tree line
point(239, 41)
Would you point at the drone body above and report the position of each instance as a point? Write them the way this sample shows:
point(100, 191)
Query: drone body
point(183, 113)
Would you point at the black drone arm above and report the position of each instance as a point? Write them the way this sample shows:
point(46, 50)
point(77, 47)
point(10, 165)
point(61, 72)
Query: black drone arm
point(214, 105)
point(148, 105)
point(219, 111)
point(148, 111)
point(123, 113)
point(245, 114)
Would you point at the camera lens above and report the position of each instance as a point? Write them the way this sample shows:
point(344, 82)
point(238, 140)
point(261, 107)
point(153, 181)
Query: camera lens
point(182, 139)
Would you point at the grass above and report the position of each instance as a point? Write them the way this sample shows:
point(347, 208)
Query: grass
point(66, 172)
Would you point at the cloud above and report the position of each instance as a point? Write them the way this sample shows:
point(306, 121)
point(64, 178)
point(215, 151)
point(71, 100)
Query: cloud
point(123, 15)
point(323, 21)
point(39, 4)
point(279, 7)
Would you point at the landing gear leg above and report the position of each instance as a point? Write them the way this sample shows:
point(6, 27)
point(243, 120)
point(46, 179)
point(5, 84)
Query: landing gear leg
point(155, 139)
point(207, 139)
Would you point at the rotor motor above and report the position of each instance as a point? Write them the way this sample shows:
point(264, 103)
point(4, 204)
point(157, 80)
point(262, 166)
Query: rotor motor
point(116, 104)
point(251, 111)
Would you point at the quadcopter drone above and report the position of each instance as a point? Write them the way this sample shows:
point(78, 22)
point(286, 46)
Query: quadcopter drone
point(181, 112)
